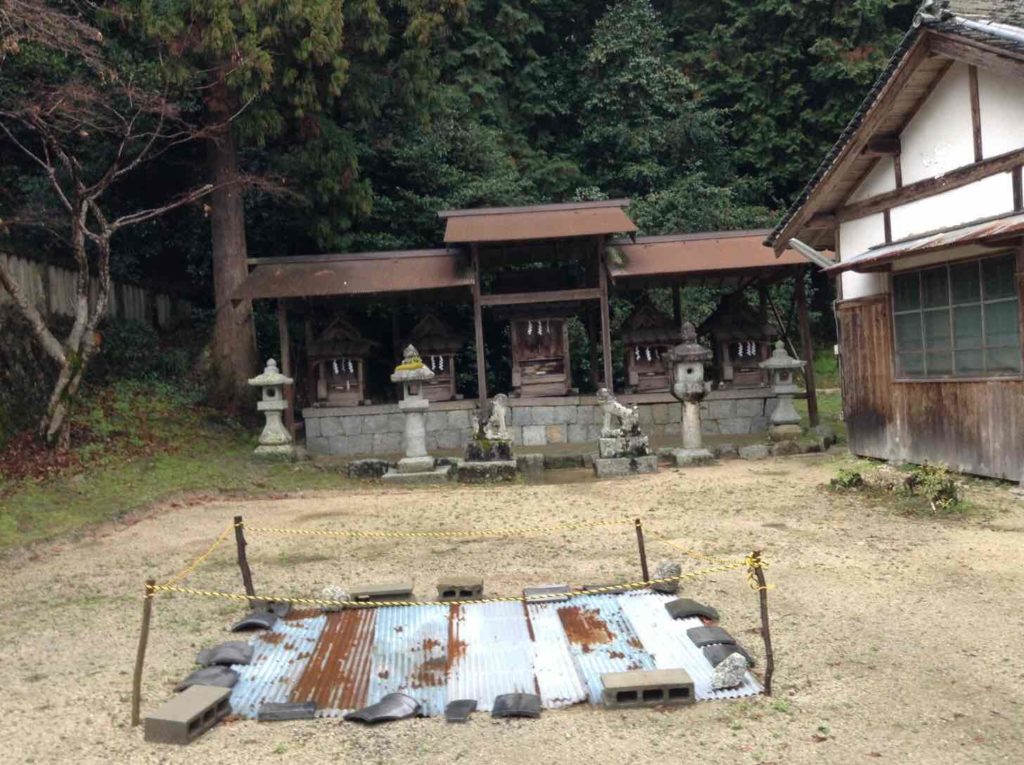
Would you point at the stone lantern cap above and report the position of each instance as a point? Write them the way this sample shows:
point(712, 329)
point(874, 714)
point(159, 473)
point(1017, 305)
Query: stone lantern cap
point(688, 351)
point(270, 377)
point(412, 368)
point(781, 360)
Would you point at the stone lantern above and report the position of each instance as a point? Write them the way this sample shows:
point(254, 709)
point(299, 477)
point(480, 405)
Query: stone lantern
point(785, 420)
point(275, 440)
point(685, 364)
point(416, 466)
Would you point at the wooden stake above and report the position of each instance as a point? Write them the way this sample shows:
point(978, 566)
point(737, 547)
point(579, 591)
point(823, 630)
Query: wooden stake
point(643, 551)
point(243, 562)
point(140, 653)
point(766, 634)
point(808, 350)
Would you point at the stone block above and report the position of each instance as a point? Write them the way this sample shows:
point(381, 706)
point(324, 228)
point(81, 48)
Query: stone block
point(750, 407)
point(376, 423)
point(609, 447)
point(451, 439)
point(441, 474)
point(675, 414)
point(769, 405)
point(188, 715)
point(758, 424)
point(331, 426)
point(387, 443)
point(555, 434)
point(436, 421)
point(754, 452)
point(486, 472)
point(342, 446)
point(588, 414)
point(517, 435)
point(520, 415)
point(577, 433)
point(786, 448)
point(396, 423)
point(692, 457)
point(734, 426)
point(356, 445)
point(784, 432)
point(368, 468)
point(564, 461)
point(710, 427)
point(317, 445)
point(352, 425)
point(531, 465)
point(458, 419)
point(534, 435)
point(646, 688)
point(646, 415)
point(415, 464)
point(617, 467)
point(565, 414)
point(725, 451)
point(312, 426)
point(721, 409)
point(659, 414)
point(543, 415)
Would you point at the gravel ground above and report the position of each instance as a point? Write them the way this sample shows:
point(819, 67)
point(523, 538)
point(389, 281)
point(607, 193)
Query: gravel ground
point(897, 639)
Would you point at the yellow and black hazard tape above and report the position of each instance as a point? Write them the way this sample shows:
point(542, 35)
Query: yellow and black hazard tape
point(198, 561)
point(524, 531)
point(540, 598)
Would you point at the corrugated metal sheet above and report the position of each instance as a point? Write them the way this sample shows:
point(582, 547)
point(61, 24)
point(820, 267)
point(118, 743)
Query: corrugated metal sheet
point(517, 224)
point(280, 656)
point(665, 639)
point(491, 652)
point(660, 256)
point(370, 273)
point(1005, 226)
point(344, 661)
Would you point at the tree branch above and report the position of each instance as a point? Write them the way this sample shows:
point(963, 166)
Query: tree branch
point(31, 314)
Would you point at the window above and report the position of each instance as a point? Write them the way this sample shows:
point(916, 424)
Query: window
point(958, 320)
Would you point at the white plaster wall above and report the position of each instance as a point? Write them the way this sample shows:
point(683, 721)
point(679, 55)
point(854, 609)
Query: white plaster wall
point(1002, 113)
point(880, 180)
point(856, 236)
point(940, 138)
point(982, 199)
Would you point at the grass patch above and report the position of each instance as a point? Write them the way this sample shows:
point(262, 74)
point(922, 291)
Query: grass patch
point(922, 490)
point(830, 412)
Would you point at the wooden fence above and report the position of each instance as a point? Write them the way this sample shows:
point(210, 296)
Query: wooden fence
point(52, 289)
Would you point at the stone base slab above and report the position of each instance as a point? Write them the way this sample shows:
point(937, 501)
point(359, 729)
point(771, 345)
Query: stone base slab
point(416, 464)
point(785, 432)
point(616, 467)
point(486, 472)
point(275, 452)
point(691, 457)
point(440, 474)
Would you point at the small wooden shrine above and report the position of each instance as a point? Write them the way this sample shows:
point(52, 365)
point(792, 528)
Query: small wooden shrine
point(742, 338)
point(437, 345)
point(337, 365)
point(648, 334)
point(540, 354)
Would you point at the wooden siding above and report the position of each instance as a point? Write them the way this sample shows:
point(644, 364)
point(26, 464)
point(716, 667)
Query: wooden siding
point(971, 426)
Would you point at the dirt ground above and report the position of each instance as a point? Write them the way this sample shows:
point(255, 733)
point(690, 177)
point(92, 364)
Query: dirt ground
point(897, 638)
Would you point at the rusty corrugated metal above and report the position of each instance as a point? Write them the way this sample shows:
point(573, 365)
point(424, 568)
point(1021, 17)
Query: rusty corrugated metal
point(410, 645)
point(685, 254)
point(369, 273)
point(517, 224)
point(337, 675)
point(1005, 226)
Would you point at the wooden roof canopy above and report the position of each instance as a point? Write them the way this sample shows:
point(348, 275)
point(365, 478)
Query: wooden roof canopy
point(555, 221)
point(938, 38)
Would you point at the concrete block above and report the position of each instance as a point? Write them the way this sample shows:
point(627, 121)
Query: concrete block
point(330, 426)
point(754, 452)
point(692, 457)
point(734, 426)
point(486, 472)
point(188, 715)
point(617, 467)
point(382, 591)
point(534, 435)
point(647, 688)
point(551, 593)
point(352, 425)
point(440, 474)
point(460, 587)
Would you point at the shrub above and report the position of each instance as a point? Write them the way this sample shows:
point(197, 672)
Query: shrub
point(937, 485)
point(847, 478)
point(133, 350)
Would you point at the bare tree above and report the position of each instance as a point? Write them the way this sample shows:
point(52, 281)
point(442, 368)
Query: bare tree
point(84, 136)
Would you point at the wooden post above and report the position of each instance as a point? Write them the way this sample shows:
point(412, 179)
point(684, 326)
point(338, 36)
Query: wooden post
point(243, 562)
point(592, 335)
point(807, 342)
point(140, 652)
point(478, 332)
point(310, 369)
point(606, 332)
point(286, 366)
point(677, 305)
point(762, 592)
point(643, 552)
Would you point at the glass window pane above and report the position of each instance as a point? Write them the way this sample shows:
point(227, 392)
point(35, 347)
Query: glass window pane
point(908, 331)
point(1002, 322)
point(967, 326)
point(910, 365)
point(936, 330)
point(906, 291)
point(939, 363)
point(1003, 359)
point(934, 287)
point(970, 362)
point(966, 282)
point(999, 277)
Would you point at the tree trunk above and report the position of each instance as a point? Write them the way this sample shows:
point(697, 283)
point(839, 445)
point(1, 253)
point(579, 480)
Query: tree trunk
point(234, 340)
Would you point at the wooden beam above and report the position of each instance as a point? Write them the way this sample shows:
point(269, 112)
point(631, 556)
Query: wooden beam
point(887, 223)
point(550, 296)
point(800, 295)
point(606, 332)
point(478, 332)
point(821, 221)
point(954, 179)
point(897, 168)
point(1018, 193)
point(976, 54)
point(286, 365)
point(975, 113)
point(882, 146)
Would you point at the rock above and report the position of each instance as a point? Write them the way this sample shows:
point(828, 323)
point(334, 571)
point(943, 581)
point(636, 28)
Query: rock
point(786, 448)
point(664, 569)
point(563, 461)
point(333, 592)
point(725, 451)
point(826, 436)
point(487, 472)
point(616, 467)
point(692, 457)
point(729, 673)
point(754, 452)
point(368, 468)
point(489, 450)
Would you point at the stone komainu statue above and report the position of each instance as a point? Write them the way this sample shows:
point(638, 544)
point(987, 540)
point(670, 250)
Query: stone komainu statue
point(495, 426)
point(627, 416)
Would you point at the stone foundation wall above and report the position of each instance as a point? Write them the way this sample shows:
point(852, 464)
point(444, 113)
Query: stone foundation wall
point(378, 430)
